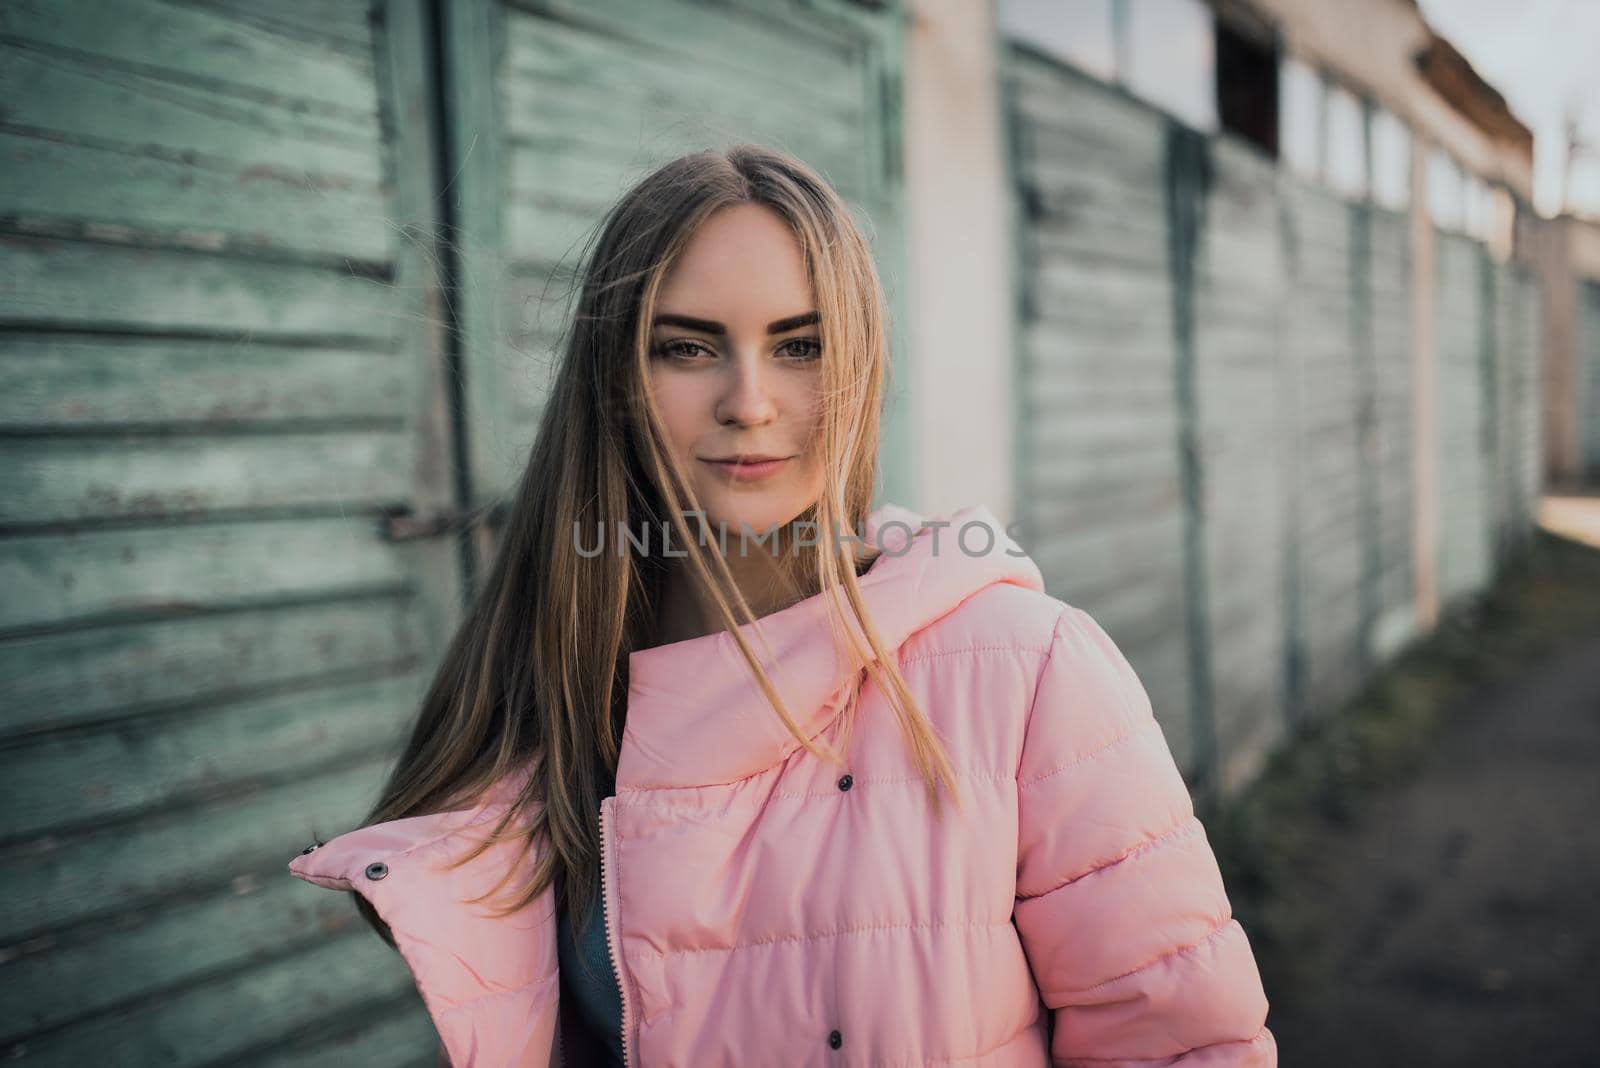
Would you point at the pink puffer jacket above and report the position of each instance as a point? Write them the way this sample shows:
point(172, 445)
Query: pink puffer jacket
point(765, 908)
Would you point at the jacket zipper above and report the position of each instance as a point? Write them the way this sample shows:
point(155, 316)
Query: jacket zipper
point(609, 896)
point(561, 1035)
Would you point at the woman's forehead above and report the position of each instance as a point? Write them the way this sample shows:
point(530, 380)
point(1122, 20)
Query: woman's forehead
point(743, 266)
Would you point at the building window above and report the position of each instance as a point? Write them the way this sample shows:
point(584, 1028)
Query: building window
point(1391, 160)
point(1346, 159)
point(1161, 50)
point(1300, 117)
point(1171, 58)
point(1247, 87)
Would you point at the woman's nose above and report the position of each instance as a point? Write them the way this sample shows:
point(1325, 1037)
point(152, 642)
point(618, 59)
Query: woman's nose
point(747, 395)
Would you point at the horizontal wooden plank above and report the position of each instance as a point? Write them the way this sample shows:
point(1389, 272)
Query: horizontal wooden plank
point(403, 1037)
point(1247, 633)
point(1122, 546)
point(1252, 559)
point(58, 381)
point(1315, 206)
point(187, 43)
point(346, 25)
point(73, 779)
point(555, 199)
point(1133, 501)
point(166, 947)
point(1050, 475)
point(1056, 158)
point(91, 575)
point(260, 1006)
point(1105, 437)
point(129, 867)
point(109, 288)
point(221, 204)
point(1100, 118)
point(1064, 346)
point(749, 41)
point(76, 96)
point(84, 676)
point(548, 232)
point(1098, 229)
point(1132, 294)
point(1241, 175)
point(133, 476)
point(571, 178)
point(1106, 422)
point(1143, 613)
point(1093, 241)
point(552, 66)
point(1232, 309)
point(1063, 397)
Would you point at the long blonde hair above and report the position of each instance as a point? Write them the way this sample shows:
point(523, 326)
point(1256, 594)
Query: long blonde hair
point(536, 674)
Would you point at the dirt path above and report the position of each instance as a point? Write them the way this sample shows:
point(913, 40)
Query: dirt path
point(1460, 915)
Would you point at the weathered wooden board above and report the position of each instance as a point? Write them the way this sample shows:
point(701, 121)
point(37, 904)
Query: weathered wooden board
point(1393, 452)
point(59, 382)
point(192, 756)
point(1098, 463)
point(103, 575)
point(1245, 425)
point(132, 864)
point(1327, 522)
point(262, 1006)
point(216, 370)
point(1463, 435)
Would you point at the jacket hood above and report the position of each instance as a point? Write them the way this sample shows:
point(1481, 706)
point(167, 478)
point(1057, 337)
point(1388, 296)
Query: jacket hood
point(698, 717)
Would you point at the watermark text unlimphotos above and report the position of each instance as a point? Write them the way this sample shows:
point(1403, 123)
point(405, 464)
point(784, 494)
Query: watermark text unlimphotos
point(894, 537)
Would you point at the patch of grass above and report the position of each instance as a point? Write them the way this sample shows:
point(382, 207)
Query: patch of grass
point(1266, 837)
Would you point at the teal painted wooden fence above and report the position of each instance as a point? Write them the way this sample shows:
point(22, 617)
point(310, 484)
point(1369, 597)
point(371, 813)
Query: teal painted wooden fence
point(216, 378)
point(229, 350)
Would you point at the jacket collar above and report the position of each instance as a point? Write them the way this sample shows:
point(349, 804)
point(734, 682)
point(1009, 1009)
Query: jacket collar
point(697, 716)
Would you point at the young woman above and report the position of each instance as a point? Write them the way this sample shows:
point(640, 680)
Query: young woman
point(804, 783)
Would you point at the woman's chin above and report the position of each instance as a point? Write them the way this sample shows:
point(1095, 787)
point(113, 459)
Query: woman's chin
point(754, 512)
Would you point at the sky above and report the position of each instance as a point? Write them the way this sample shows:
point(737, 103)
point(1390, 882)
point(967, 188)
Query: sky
point(1544, 57)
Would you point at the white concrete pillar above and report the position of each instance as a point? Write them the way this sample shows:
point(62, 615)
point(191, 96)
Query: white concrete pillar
point(958, 245)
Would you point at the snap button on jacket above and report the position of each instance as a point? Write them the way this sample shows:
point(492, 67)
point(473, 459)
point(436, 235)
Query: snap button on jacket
point(763, 907)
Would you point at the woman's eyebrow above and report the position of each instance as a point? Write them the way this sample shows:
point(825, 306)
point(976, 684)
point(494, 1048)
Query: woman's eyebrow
point(711, 326)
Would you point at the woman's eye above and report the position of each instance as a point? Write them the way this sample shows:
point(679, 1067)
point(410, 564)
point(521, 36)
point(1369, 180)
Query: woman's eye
point(803, 348)
point(680, 349)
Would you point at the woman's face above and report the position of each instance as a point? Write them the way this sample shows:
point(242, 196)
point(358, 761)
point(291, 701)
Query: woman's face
point(734, 365)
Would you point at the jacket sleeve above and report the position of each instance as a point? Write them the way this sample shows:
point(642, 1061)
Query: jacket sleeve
point(1120, 903)
point(490, 983)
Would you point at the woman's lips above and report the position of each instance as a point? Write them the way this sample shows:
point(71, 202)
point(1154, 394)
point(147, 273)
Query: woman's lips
point(749, 472)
